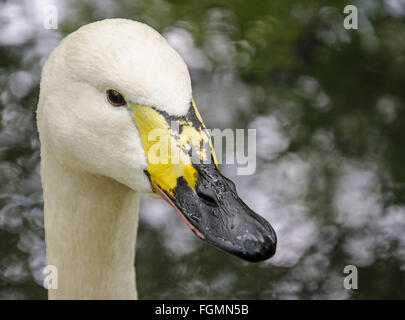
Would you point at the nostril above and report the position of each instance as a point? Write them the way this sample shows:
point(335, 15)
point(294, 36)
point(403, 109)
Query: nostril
point(207, 199)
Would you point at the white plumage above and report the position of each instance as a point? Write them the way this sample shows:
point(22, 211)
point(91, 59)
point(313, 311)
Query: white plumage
point(91, 189)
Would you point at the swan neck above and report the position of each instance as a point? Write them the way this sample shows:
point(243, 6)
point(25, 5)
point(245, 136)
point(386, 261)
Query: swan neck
point(90, 231)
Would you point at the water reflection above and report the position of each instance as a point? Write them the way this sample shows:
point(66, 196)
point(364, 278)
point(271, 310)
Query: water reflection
point(327, 105)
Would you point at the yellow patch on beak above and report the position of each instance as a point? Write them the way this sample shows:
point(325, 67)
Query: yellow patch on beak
point(214, 157)
point(167, 141)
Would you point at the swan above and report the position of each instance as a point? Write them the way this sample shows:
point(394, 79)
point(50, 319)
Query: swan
point(106, 92)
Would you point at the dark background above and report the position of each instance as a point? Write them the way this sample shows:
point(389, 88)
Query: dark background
point(328, 107)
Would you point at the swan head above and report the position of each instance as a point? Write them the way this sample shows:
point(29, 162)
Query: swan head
point(116, 101)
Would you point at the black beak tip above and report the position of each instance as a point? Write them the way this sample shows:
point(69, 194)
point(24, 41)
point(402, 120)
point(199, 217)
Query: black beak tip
point(255, 250)
point(217, 215)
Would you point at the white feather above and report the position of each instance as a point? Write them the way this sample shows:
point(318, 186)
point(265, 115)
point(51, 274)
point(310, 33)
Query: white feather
point(92, 158)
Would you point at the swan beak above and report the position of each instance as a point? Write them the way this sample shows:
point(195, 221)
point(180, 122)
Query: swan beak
point(216, 214)
point(206, 200)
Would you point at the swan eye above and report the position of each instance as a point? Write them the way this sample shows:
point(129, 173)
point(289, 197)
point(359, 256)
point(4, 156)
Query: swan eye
point(115, 98)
